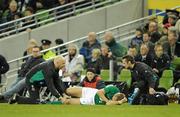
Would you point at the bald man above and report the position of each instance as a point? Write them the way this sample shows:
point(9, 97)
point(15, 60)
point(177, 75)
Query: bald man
point(44, 74)
point(144, 55)
point(91, 38)
point(117, 49)
point(90, 44)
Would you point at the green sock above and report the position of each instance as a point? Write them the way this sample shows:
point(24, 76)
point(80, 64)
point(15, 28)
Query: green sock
point(55, 102)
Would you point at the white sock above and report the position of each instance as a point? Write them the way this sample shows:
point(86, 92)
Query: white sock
point(136, 90)
point(177, 92)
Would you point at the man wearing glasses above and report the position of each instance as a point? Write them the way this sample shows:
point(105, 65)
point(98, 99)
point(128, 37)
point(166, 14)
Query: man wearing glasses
point(19, 83)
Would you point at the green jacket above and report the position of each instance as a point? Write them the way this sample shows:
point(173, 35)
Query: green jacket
point(116, 49)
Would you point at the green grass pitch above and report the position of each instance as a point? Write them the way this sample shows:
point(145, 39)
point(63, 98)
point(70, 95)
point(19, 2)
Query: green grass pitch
point(6, 110)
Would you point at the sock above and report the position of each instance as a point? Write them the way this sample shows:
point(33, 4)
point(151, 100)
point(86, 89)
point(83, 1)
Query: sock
point(133, 96)
point(177, 92)
point(136, 90)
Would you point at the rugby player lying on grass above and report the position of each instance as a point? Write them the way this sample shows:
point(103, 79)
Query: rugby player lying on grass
point(110, 95)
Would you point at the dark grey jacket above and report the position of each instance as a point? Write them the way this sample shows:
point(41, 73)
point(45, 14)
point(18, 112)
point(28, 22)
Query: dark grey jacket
point(46, 72)
point(142, 72)
point(29, 64)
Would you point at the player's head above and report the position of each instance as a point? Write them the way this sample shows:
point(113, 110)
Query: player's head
point(118, 97)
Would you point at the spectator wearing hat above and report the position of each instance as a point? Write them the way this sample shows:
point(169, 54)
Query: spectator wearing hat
point(169, 13)
point(61, 49)
point(92, 80)
point(46, 45)
point(172, 19)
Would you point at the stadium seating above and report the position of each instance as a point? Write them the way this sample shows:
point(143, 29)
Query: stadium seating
point(167, 79)
point(125, 76)
point(42, 17)
point(175, 63)
point(105, 75)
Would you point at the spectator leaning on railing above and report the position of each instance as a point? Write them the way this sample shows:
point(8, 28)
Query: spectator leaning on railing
point(117, 49)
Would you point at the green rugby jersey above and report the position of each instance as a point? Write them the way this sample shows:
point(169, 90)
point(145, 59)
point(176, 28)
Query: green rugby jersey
point(110, 90)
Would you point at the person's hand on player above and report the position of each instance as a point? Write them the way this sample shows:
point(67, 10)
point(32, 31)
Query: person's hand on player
point(152, 91)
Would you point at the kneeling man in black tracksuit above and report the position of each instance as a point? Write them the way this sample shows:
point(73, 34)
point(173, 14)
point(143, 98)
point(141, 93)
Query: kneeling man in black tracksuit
point(144, 79)
point(44, 74)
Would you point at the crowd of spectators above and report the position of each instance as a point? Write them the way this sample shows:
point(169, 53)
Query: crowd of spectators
point(13, 9)
point(155, 46)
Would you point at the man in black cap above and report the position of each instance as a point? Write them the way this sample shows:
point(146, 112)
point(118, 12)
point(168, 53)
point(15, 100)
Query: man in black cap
point(46, 45)
point(61, 49)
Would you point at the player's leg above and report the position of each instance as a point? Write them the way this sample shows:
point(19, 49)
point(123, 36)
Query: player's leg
point(74, 91)
point(78, 101)
point(74, 101)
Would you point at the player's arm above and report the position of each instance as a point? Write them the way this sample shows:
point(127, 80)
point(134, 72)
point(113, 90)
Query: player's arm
point(151, 79)
point(101, 94)
point(110, 102)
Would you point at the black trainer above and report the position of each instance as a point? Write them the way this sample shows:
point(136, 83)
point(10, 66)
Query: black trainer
point(2, 99)
point(13, 99)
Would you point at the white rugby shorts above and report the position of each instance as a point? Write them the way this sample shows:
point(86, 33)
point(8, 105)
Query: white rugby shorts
point(88, 95)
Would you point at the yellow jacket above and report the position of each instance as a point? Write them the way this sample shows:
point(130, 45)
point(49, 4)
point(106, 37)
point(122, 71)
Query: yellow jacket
point(49, 54)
